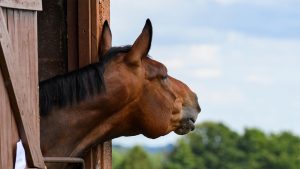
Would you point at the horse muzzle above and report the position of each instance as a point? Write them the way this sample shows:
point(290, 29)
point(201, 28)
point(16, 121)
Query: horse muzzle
point(185, 127)
point(187, 123)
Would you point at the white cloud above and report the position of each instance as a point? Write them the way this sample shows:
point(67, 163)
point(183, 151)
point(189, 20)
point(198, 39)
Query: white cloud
point(204, 53)
point(230, 96)
point(255, 2)
point(227, 2)
point(259, 79)
point(267, 43)
point(186, 55)
point(207, 73)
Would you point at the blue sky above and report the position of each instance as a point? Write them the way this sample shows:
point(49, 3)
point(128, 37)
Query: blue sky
point(241, 57)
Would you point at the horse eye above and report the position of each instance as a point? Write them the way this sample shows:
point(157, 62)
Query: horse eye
point(164, 77)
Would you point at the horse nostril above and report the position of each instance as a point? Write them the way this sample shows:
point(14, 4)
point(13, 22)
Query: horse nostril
point(193, 120)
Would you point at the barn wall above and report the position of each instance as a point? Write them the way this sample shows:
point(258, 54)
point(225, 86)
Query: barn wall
point(52, 38)
point(21, 25)
point(8, 133)
point(69, 32)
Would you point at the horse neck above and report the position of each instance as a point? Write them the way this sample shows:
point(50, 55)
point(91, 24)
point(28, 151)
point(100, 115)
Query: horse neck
point(69, 131)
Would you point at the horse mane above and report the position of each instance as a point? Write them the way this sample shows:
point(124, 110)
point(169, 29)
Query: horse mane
point(75, 86)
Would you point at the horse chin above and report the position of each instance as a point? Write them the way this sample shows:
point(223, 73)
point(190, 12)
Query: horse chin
point(185, 127)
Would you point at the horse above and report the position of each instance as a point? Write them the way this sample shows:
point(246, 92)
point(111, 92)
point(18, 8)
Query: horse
point(125, 93)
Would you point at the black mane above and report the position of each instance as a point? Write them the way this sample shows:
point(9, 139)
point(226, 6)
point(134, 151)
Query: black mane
point(73, 87)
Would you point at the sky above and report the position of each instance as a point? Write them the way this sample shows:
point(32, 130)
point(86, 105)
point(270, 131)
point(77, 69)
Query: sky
point(241, 57)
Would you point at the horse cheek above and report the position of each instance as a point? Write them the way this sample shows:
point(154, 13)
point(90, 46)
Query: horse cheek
point(157, 115)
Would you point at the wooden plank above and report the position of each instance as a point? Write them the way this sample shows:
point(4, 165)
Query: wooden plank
point(18, 99)
point(90, 160)
point(26, 41)
point(91, 16)
point(86, 39)
point(95, 33)
point(104, 12)
point(100, 11)
point(10, 114)
point(72, 28)
point(4, 158)
point(106, 155)
point(3, 127)
point(84, 32)
point(22, 4)
point(106, 147)
point(101, 155)
point(52, 38)
point(29, 22)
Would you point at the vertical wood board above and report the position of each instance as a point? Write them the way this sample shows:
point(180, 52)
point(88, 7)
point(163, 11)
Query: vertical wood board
point(20, 71)
point(72, 17)
point(91, 15)
point(52, 38)
point(84, 32)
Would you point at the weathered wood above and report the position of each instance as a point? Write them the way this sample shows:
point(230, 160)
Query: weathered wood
point(18, 58)
point(106, 155)
point(84, 32)
point(8, 130)
point(83, 50)
point(106, 147)
point(6, 133)
point(6, 155)
point(95, 33)
point(52, 39)
point(22, 4)
point(72, 20)
point(100, 12)
point(101, 155)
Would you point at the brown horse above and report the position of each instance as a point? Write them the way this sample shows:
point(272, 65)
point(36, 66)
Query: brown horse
point(125, 94)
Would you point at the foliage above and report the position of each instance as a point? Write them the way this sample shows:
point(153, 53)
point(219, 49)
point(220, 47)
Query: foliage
point(136, 158)
point(117, 158)
point(181, 157)
point(215, 146)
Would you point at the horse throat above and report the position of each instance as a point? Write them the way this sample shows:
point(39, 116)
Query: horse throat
point(71, 130)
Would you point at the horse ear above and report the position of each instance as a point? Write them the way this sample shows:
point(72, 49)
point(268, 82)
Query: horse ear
point(106, 41)
point(141, 46)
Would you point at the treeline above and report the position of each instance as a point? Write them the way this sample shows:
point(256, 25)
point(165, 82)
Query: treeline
point(215, 146)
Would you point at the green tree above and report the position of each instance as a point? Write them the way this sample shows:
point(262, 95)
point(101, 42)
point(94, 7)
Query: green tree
point(181, 157)
point(276, 151)
point(215, 144)
point(136, 158)
point(117, 158)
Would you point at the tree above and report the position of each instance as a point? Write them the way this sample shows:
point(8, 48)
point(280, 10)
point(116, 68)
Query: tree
point(136, 158)
point(117, 158)
point(181, 157)
point(215, 144)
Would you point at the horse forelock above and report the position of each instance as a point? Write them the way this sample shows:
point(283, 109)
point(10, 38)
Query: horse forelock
point(76, 86)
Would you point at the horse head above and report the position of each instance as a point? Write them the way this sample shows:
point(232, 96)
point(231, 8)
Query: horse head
point(126, 93)
point(156, 102)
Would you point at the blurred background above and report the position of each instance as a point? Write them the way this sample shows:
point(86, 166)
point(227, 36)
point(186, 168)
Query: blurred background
point(242, 59)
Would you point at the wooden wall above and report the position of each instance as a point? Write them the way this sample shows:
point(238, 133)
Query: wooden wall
point(21, 38)
point(69, 33)
point(52, 38)
point(85, 20)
